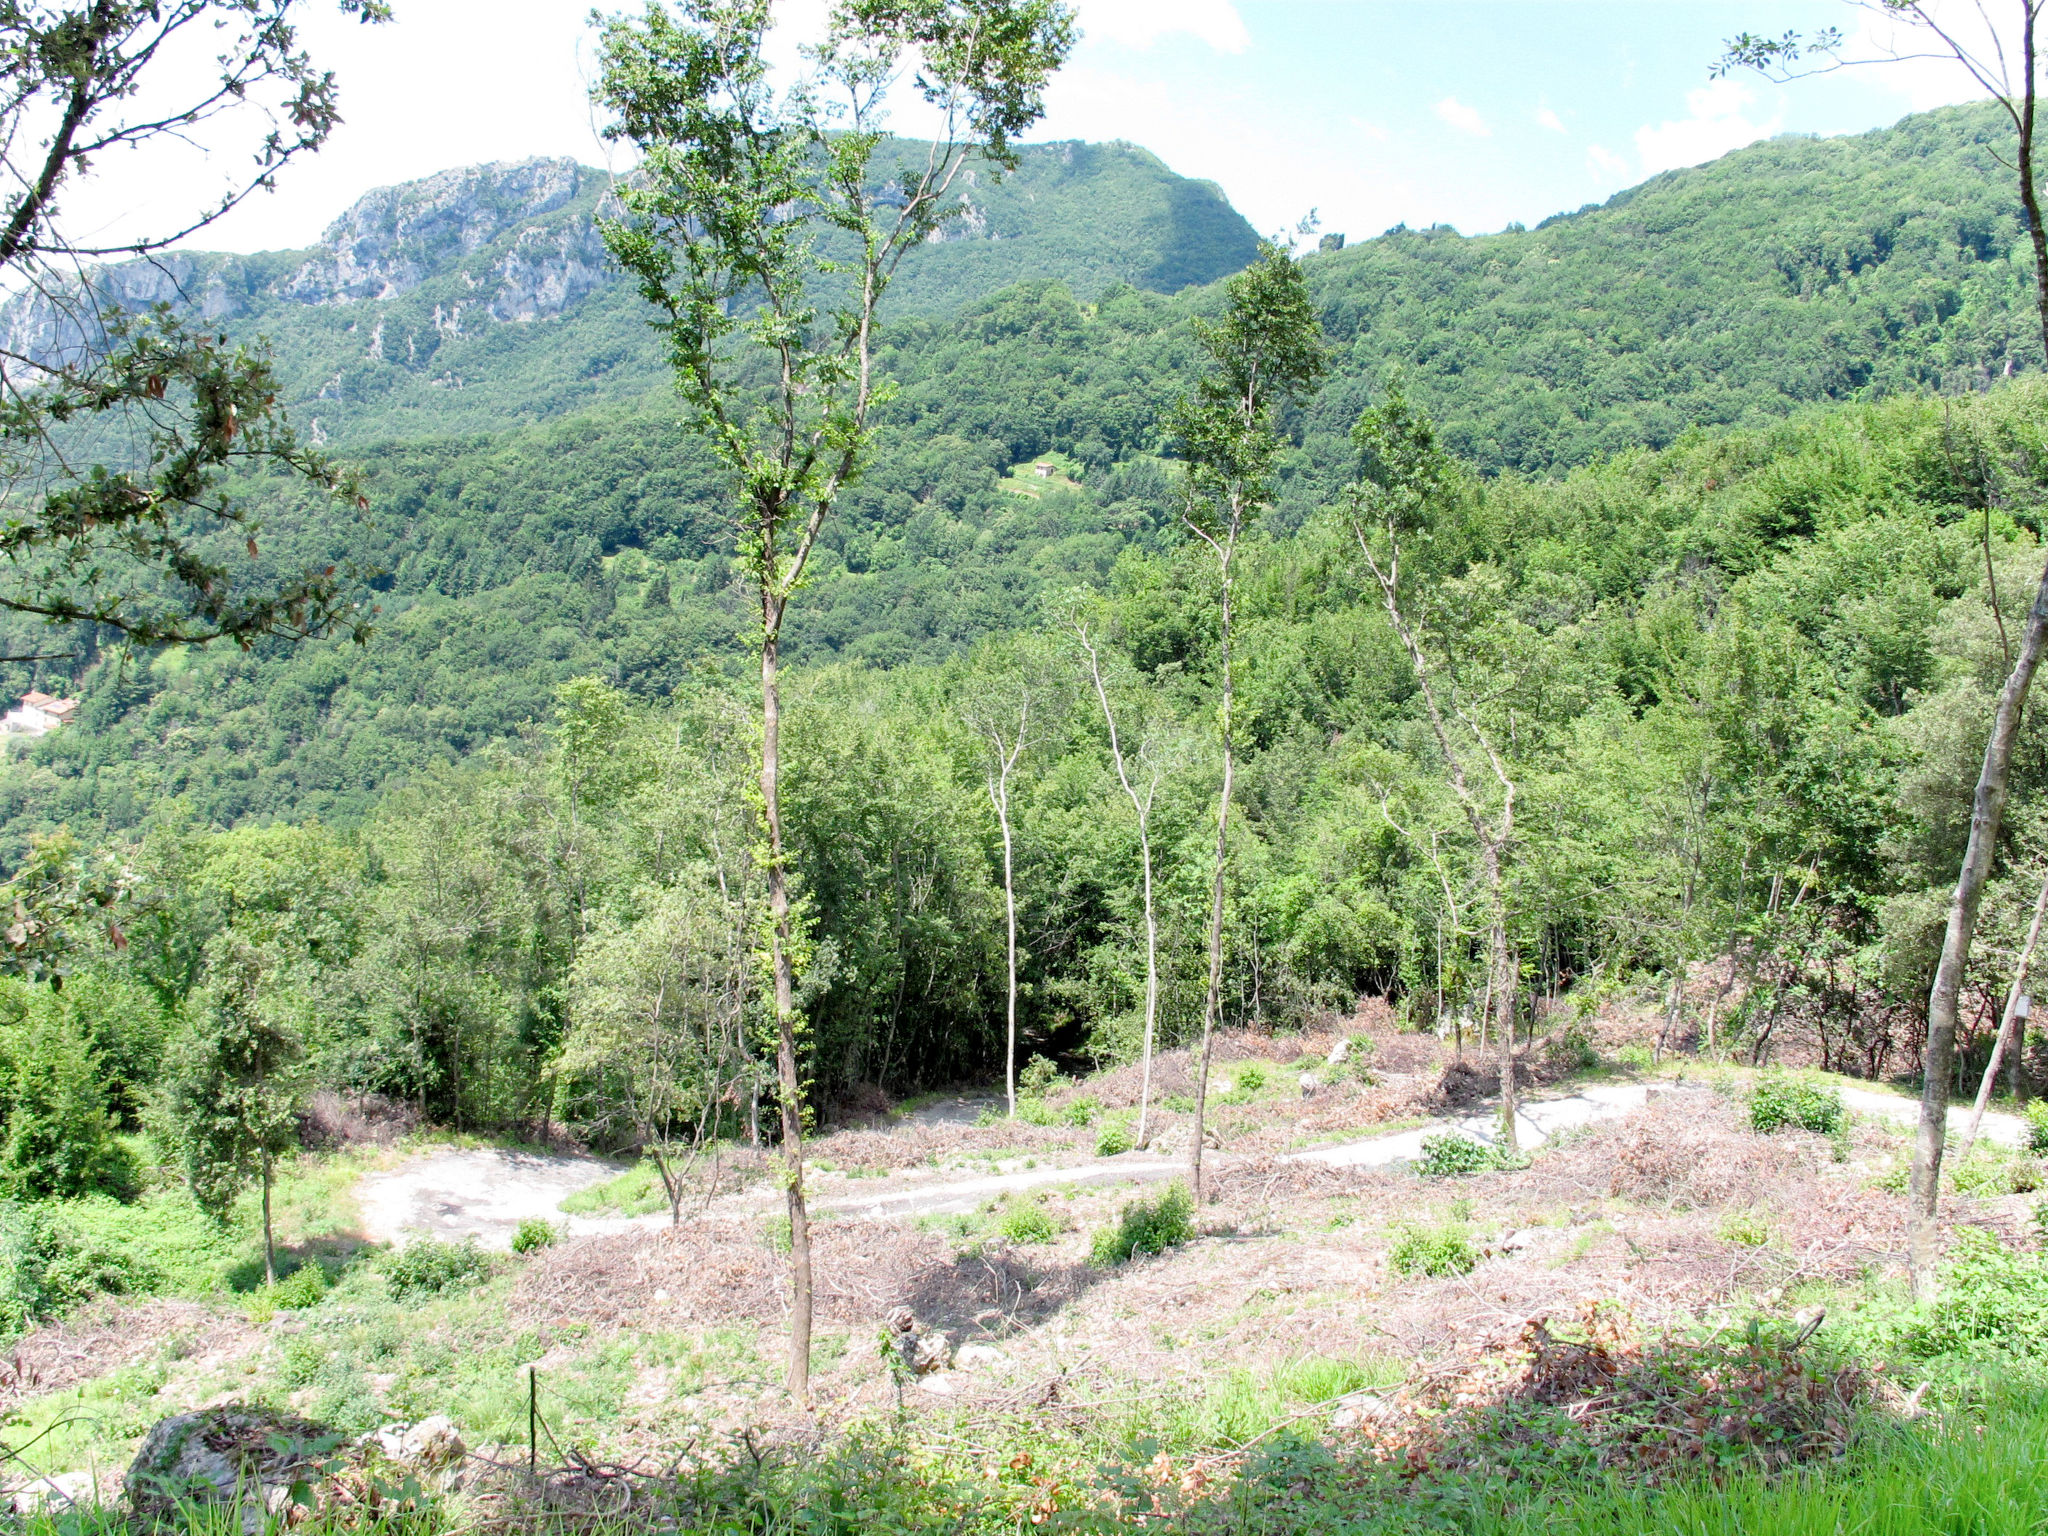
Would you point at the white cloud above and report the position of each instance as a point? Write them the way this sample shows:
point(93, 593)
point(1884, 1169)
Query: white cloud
point(1719, 122)
point(1463, 118)
point(1141, 23)
point(1545, 118)
point(1607, 165)
point(1371, 130)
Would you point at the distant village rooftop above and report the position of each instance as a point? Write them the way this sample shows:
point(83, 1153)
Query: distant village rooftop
point(37, 714)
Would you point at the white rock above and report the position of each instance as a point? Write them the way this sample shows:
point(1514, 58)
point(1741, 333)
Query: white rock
point(1515, 1241)
point(1338, 1052)
point(974, 1356)
point(940, 1383)
point(433, 1442)
point(63, 1491)
point(1309, 1084)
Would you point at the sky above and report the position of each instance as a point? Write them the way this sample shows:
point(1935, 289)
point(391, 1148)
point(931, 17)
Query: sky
point(1372, 113)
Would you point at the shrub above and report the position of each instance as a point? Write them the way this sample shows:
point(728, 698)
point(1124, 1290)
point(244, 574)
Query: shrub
point(427, 1268)
point(1448, 1154)
point(47, 1265)
point(1993, 1301)
point(1026, 1221)
point(304, 1287)
point(60, 1138)
point(1780, 1102)
point(533, 1235)
point(1080, 1112)
point(1178, 1103)
point(1114, 1138)
point(1251, 1078)
point(1432, 1251)
point(1038, 1076)
point(1570, 1049)
point(1036, 1112)
point(2037, 1127)
point(1147, 1226)
point(1746, 1228)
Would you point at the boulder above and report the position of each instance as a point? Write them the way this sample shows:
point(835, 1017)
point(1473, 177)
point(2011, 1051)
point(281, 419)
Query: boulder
point(247, 1458)
point(1338, 1052)
point(972, 1357)
point(1309, 1084)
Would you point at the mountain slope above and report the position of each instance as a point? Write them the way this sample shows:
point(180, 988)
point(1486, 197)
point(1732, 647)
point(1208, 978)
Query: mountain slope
point(1792, 271)
point(483, 297)
point(583, 533)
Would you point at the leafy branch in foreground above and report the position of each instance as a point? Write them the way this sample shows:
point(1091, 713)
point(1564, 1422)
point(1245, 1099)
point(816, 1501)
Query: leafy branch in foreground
point(148, 550)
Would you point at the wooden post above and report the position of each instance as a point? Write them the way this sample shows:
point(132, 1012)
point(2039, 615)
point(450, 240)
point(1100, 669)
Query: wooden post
point(532, 1421)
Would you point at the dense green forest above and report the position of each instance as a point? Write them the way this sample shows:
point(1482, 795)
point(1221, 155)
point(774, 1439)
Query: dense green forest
point(1736, 640)
point(1741, 683)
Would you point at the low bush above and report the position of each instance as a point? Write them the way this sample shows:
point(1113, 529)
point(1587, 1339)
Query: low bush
point(1178, 1103)
point(1114, 1138)
point(50, 1263)
point(1036, 1112)
point(1433, 1251)
point(1746, 1228)
point(1449, 1154)
point(1147, 1226)
point(1024, 1222)
point(1080, 1112)
point(1570, 1049)
point(304, 1287)
point(427, 1268)
point(533, 1235)
point(1782, 1102)
point(1037, 1078)
point(2037, 1127)
point(1993, 1306)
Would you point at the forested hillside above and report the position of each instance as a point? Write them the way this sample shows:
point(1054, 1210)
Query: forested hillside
point(1754, 646)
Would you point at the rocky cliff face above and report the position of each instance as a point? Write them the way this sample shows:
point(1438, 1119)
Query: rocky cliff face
point(515, 241)
point(395, 238)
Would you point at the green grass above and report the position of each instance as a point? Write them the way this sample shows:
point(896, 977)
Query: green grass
point(636, 1192)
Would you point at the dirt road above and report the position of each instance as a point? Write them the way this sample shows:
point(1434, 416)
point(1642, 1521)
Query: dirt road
point(486, 1192)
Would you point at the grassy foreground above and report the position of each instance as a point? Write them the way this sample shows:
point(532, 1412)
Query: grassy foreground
point(1973, 1470)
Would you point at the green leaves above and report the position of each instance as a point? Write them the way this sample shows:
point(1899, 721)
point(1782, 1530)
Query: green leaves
point(756, 231)
point(154, 548)
point(1266, 354)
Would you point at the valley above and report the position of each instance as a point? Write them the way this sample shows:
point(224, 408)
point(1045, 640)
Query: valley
point(839, 831)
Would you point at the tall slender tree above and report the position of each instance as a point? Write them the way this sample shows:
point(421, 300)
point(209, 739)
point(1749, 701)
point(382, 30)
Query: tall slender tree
point(763, 230)
point(1998, 47)
point(1141, 791)
point(1006, 720)
point(1405, 481)
point(1265, 354)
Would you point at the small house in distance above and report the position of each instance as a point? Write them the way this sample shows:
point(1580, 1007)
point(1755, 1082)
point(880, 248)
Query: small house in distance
point(38, 714)
point(1043, 469)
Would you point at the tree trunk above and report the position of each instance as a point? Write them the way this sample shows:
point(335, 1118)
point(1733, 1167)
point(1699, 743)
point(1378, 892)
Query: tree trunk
point(1213, 999)
point(1501, 990)
point(2006, 1026)
point(1987, 812)
point(1151, 980)
point(269, 1241)
point(785, 1021)
point(999, 792)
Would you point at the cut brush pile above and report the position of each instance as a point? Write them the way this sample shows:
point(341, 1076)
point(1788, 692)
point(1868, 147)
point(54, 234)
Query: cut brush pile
point(1597, 1397)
